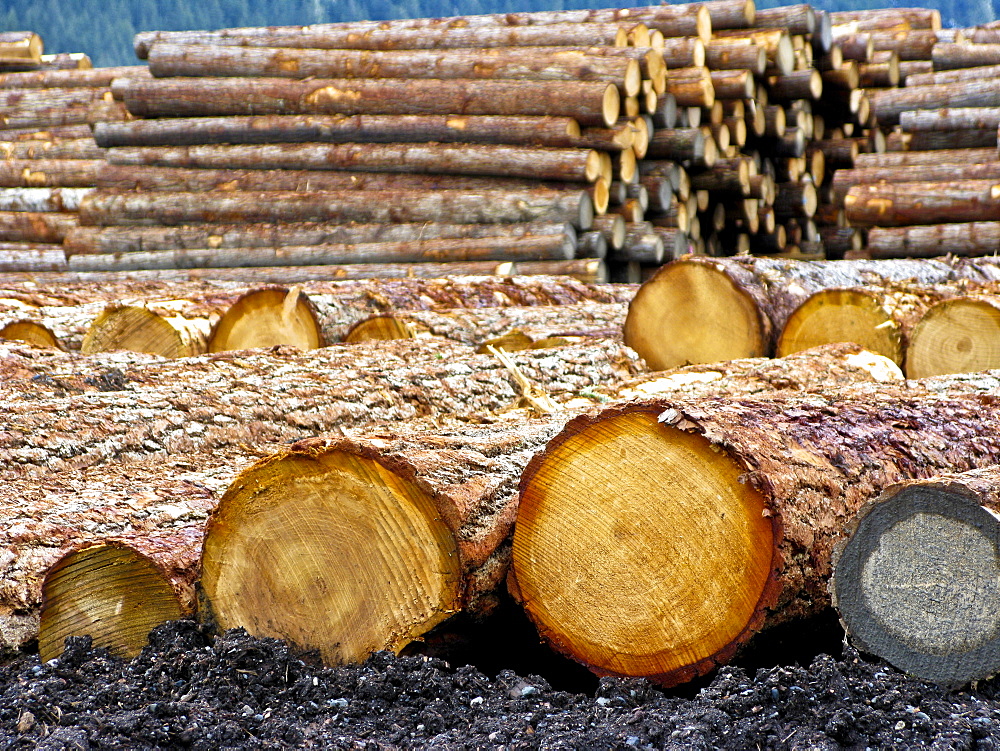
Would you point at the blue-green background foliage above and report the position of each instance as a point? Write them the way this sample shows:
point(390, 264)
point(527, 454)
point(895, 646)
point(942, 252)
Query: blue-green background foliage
point(104, 29)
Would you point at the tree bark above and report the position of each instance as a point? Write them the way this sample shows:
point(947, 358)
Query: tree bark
point(497, 248)
point(845, 179)
point(56, 116)
point(454, 206)
point(167, 60)
point(747, 497)
point(957, 335)
point(40, 200)
point(67, 79)
point(589, 103)
point(889, 18)
point(31, 257)
point(733, 54)
point(691, 87)
point(49, 173)
point(266, 129)
point(928, 241)
point(907, 203)
point(923, 158)
point(573, 165)
point(958, 118)
point(953, 76)
point(706, 310)
point(914, 582)
point(274, 236)
point(36, 227)
point(52, 149)
point(889, 104)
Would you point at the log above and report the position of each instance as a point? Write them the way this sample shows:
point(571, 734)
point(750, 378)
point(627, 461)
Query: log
point(879, 318)
point(51, 149)
point(34, 134)
point(924, 158)
point(89, 491)
point(707, 310)
point(957, 335)
point(925, 140)
point(888, 104)
point(580, 165)
point(733, 84)
point(928, 241)
point(945, 172)
point(798, 19)
point(66, 79)
point(683, 145)
point(886, 18)
point(50, 117)
point(457, 491)
point(31, 257)
point(777, 46)
point(750, 495)
point(274, 236)
point(588, 270)
point(497, 248)
point(947, 56)
point(25, 100)
point(187, 131)
point(517, 327)
point(456, 206)
point(36, 226)
point(590, 103)
point(684, 52)
point(795, 199)
point(733, 54)
point(879, 75)
point(914, 581)
point(799, 84)
point(168, 60)
point(953, 76)
point(49, 173)
point(25, 45)
point(691, 87)
point(907, 203)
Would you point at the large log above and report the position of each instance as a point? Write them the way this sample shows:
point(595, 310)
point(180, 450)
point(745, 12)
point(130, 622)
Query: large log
point(722, 513)
point(915, 580)
point(589, 103)
point(888, 104)
point(705, 310)
point(908, 203)
point(580, 165)
point(879, 318)
point(226, 236)
point(499, 247)
point(957, 335)
point(944, 172)
point(889, 18)
point(167, 60)
point(446, 499)
point(930, 240)
point(186, 131)
point(455, 206)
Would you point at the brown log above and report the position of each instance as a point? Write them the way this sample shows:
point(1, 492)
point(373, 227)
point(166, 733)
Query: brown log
point(953, 76)
point(707, 310)
point(798, 19)
point(45, 133)
point(777, 46)
point(927, 140)
point(499, 248)
point(733, 54)
point(879, 318)
point(882, 75)
point(915, 158)
point(963, 55)
point(684, 145)
point(26, 45)
point(889, 104)
point(27, 100)
point(456, 206)
point(513, 328)
point(796, 199)
point(691, 87)
point(799, 84)
point(785, 472)
point(64, 79)
point(522, 130)
point(841, 240)
point(968, 239)
point(684, 52)
point(906, 203)
point(590, 103)
point(35, 227)
point(51, 173)
point(900, 569)
point(846, 77)
point(726, 175)
point(844, 180)
point(391, 472)
point(55, 116)
point(731, 14)
point(857, 46)
point(587, 270)
point(581, 165)
point(65, 61)
point(73, 148)
point(957, 335)
point(274, 236)
point(167, 60)
point(733, 84)
point(889, 18)
point(31, 257)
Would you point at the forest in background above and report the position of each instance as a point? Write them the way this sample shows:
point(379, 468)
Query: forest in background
point(104, 29)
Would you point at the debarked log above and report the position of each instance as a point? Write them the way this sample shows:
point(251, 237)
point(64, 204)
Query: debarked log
point(455, 206)
point(746, 498)
point(589, 103)
point(915, 580)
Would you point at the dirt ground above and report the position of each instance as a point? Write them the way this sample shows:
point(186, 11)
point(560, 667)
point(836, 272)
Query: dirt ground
point(797, 689)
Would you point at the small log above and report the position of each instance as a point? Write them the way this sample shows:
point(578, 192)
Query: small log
point(798, 19)
point(844, 180)
point(733, 84)
point(587, 270)
point(947, 56)
point(31, 257)
point(906, 203)
point(928, 241)
point(590, 103)
point(582, 165)
point(49, 173)
point(26, 45)
point(795, 199)
point(48, 227)
point(731, 14)
point(683, 145)
point(733, 54)
point(785, 472)
point(45, 133)
point(889, 104)
point(889, 18)
point(676, 316)
point(685, 52)
point(726, 175)
point(799, 84)
point(957, 335)
point(51, 149)
point(186, 131)
point(691, 87)
point(455, 206)
point(881, 75)
point(953, 76)
point(49, 117)
point(65, 79)
point(777, 44)
point(612, 228)
point(154, 329)
point(922, 552)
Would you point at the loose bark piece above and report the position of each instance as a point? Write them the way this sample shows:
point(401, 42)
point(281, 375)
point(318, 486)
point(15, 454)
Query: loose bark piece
point(749, 496)
point(703, 310)
point(915, 582)
point(958, 335)
point(881, 319)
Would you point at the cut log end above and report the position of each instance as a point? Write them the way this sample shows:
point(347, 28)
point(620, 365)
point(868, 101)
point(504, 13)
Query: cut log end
point(379, 328)
point(31, 332)
point(843, 315)
point(265, 318)
point(330, 551)
point(961, 335)
point(611, 106)
point(917, 584)
point(693, 313)
point(139, 329)
point(594, 571)
point(109, 592)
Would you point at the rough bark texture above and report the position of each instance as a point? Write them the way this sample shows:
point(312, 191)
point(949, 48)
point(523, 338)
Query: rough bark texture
point(807, 461)
point(685, 300)
point(928, 241)
point(899, 204)
point(44, 79)
point(928, 607)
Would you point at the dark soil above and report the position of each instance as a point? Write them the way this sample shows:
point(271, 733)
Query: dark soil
point(187, 690)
